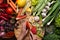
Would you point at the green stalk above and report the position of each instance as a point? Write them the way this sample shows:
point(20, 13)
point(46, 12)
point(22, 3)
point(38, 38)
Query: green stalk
point(52, 9)
point(38, 5)
point(54, 15)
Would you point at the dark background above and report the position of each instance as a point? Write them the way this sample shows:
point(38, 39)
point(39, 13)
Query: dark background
point(12, 38)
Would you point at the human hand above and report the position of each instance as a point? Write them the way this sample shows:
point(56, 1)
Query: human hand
point(35, 37)
point(21, 32)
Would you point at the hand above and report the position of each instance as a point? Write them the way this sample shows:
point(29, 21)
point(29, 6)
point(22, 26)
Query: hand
point(21, 32)
point(35, 37)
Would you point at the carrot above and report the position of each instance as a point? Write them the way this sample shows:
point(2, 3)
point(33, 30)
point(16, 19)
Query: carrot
point(12, 7)
point(13, 3)
point(20, 11)
point(8, 1)
point(21, 17)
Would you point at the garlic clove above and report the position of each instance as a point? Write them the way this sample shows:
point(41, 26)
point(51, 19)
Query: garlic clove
point(53, 2)
point(44, 10)
point(36, 18)
point(43, 14)
point(48, 3)
point(47, 7)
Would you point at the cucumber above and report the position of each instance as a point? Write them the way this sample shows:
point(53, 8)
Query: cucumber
point(41, 8)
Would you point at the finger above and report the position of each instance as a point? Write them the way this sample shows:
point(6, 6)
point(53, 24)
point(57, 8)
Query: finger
point(31, 33)
point(24, 26)
point(26, 31)
point(15, 29)
point(31, 38)
point(8, 1)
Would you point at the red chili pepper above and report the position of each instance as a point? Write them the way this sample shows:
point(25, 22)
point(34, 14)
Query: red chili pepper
point(3, 18)
point(9, 34)
point(6, 15)
point(21, 17)
point(3, 5)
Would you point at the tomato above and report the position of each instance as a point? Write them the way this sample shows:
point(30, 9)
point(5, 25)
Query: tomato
point(1, 1)
point(9, 10)
point(21, 3)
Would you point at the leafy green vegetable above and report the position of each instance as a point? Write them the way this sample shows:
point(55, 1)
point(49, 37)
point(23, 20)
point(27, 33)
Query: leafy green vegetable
point(57, 20)
point(51, 37)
